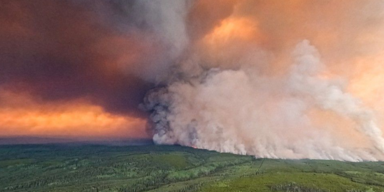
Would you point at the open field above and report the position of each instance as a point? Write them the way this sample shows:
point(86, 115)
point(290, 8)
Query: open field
point(173, 168)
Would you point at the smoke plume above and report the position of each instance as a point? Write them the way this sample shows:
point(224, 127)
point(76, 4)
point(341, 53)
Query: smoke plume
point(278, 79)
point(254, 82)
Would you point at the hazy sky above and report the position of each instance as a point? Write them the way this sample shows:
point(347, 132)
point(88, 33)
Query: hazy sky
point(81, 68)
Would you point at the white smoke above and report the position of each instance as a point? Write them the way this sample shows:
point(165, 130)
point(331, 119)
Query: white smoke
point(226, 98)
point(241, 111)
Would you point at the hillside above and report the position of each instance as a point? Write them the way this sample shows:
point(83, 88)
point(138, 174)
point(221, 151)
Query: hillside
point(173, 168)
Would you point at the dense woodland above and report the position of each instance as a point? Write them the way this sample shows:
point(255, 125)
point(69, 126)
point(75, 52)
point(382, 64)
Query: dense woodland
point(173, 168)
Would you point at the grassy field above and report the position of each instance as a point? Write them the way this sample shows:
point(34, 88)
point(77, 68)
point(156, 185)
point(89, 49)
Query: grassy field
point(173, 168)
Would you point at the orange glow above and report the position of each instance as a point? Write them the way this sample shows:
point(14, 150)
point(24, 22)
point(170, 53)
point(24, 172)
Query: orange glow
point(368, 81)
point(233, 29)
point(75, 119)
point(230, 39)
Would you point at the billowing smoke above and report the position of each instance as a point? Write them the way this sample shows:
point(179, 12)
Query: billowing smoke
point(240, 112)
point(279, 79)
point(239, 89)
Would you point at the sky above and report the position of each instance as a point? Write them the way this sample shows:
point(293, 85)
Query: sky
point(244, 76)
point(61, 73)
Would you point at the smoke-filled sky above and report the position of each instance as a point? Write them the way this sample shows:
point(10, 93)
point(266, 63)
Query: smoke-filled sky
point(281, 79)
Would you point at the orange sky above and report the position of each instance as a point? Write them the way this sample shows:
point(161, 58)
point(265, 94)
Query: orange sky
point(20, 115)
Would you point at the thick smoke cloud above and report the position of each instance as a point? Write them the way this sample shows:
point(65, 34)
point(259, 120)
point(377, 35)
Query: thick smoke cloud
point(264, 116)
point(65, 50)
point(280, 79)
point(91, 59)
point(248, 83)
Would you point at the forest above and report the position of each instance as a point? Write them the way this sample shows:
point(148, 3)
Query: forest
point(103, 168)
